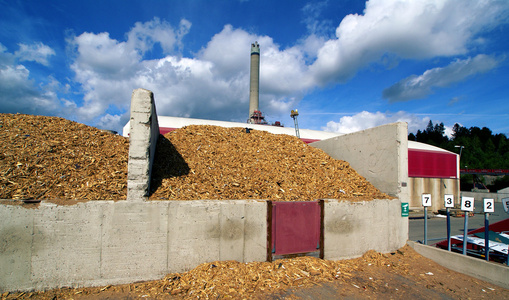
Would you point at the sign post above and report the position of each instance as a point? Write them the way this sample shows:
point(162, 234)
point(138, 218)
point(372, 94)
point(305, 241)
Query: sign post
point(448, 203)
point(505, 203)
point(489, 206)
point(426, 202)
point(467, 205)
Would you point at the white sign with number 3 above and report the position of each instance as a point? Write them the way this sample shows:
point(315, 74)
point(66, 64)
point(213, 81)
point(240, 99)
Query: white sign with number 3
point(489, 205)
point(449, 201)
point(467, 203)
point(426, 199)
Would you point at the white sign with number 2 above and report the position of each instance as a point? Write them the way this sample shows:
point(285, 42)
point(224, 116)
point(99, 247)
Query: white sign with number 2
point(467, 203)
point(489, 205)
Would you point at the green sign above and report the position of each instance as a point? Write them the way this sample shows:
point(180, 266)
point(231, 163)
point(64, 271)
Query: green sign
point(405, 208)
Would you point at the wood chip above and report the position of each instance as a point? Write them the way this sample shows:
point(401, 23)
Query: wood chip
point(56, 159)
point(211, 162)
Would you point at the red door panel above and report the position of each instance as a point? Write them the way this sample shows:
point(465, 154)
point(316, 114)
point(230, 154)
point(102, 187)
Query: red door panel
point(295, 227)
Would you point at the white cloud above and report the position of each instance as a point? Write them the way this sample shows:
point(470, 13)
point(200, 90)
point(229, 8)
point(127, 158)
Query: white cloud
point(37, 52)
point(18, 91)
point(20, 95)
point(365, 120)
point(417, 87)
point(144, 35)
point(315, 23)
point(407, 29)
point(215, 84)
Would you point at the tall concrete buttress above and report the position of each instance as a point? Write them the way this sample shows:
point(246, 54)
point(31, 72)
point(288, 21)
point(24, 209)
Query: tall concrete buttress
point(254, 81)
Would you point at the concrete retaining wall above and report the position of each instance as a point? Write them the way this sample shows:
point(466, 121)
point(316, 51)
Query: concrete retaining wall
point(379, 154)
point(494, 273)
point(105, 242)
point(351, 229)
point(478, 196)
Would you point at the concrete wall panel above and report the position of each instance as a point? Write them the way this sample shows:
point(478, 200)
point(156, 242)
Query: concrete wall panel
point(134, 240)
point(351, 229)
point(379, 154)
point(194, 234)
point(66, 244)
point(16, 228)
point(255, 231)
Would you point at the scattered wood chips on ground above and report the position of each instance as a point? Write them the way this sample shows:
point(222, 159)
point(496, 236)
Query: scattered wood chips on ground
point(403, 274)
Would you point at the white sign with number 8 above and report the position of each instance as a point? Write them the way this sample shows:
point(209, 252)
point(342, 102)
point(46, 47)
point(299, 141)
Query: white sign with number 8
point(449, 201)
point(467, 203)
point(426, 199)
point(489, 205)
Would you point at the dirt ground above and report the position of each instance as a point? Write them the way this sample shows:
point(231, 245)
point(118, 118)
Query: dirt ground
point(398, 275)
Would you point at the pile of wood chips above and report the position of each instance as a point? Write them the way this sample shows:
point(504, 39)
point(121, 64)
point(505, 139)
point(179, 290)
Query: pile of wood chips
point(210, 162)
point(53, 158)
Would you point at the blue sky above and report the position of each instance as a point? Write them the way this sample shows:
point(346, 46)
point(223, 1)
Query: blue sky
point(345, 65)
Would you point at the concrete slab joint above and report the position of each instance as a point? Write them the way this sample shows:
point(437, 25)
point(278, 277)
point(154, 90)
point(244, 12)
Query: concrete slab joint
point(143, 134)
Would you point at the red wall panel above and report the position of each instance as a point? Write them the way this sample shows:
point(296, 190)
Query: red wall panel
point(432, 164)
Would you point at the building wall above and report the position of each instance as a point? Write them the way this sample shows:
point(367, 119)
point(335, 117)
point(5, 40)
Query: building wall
point(437, 187)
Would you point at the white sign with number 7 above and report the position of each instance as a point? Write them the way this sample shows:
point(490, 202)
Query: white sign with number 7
point(426, 199)
point(467, 203)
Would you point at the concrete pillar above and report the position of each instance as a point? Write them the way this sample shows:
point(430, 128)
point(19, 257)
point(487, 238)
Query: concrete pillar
point(143, 134)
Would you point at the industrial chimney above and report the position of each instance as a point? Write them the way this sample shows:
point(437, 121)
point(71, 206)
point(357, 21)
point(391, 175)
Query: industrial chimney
point(254, 83)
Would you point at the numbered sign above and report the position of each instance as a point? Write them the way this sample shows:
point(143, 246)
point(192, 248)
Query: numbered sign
point(449, 200)
point(426, 199)
point(467, 203)
point(489, 205)
point(505, 202)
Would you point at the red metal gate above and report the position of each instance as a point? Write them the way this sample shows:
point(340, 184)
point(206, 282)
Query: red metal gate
point(294, 229)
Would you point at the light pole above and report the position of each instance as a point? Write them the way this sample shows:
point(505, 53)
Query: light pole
point(461, 148)
point(294, 114)
point(448, 209)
